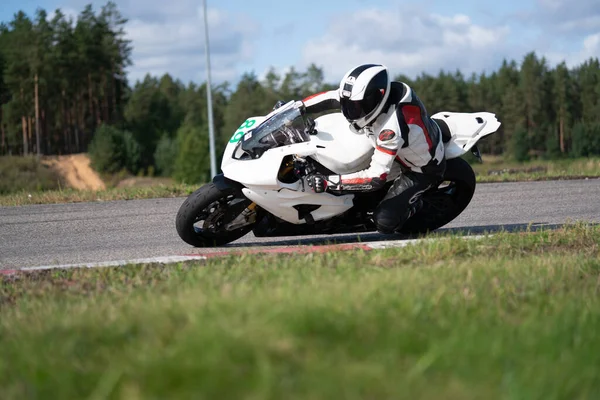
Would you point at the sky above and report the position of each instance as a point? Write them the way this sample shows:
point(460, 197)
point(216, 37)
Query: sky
point(409, 37)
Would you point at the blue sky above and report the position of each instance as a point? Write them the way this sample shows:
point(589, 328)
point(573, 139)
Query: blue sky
point(410, 37)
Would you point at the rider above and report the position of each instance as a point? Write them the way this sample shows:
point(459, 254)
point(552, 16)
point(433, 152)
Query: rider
point(408, 143)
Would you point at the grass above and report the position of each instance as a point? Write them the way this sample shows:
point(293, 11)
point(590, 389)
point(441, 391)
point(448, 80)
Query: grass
point(513, 316)
point(26, 174)
point(23, 181)
point(73, 195)
point(494, 169)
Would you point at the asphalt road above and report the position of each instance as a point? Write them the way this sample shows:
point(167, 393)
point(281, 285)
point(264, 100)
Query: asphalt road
point(123, 230)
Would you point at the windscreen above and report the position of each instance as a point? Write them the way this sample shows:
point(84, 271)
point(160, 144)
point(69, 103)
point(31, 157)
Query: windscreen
point(284, 128)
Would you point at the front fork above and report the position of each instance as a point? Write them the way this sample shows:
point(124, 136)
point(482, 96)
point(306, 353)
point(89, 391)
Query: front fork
point(248, 215)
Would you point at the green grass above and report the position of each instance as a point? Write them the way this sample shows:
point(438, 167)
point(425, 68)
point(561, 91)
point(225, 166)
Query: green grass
point(26, 174)
point(513, 316)
point(496, 169)
point(24, 197)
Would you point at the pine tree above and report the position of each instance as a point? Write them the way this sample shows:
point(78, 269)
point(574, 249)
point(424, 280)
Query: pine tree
point(4, 90)
point(313, 80)
point(588, 79)
point(562, 94)
point(148, 116)
point(19, 79)
point(192, 164)
point(511, 107)
point(248, 100)
point(534, 84)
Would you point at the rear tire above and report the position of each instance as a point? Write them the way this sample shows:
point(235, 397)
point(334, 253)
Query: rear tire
point(213, 209)
point(445, 202)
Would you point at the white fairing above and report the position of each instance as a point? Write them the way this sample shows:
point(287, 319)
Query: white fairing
point(340, 150)
point(466, 130)
point(281, 203)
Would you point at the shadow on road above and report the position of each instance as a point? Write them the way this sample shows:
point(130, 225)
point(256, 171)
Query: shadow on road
point(375, 236)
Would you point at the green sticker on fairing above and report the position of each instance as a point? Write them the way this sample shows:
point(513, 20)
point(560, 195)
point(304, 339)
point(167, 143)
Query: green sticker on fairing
point(249, 123)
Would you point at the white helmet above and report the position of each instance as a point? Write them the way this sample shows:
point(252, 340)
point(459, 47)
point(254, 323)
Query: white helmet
point(363, 92)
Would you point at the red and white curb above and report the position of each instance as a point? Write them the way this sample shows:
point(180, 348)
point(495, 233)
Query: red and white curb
point(367, 246)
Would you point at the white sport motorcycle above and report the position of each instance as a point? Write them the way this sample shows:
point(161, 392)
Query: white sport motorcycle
point(261, 188)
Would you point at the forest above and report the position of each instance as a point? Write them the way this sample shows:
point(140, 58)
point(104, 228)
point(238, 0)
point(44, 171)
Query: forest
point(64, 89)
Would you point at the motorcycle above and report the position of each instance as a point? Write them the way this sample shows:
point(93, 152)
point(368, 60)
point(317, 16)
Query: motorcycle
point(261, 188)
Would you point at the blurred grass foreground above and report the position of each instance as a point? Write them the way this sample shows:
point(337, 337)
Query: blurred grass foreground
point(509, 316)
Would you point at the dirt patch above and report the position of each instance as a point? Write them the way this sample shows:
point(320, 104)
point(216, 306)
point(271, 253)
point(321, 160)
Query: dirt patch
point(76, 171)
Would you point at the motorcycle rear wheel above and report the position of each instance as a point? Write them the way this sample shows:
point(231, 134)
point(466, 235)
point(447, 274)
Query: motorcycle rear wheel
point(445, 202)
point(205, 217)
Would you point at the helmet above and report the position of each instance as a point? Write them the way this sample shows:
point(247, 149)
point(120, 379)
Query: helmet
point(363, 92)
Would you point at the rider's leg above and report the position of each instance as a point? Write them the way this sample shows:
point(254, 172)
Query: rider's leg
point(401, 201)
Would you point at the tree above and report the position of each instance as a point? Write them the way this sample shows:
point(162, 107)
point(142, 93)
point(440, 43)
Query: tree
point(588, 80)
point(62, 79)
point(272, 81)
point(19, 78)
point(313, 80)
point(149, 115)
point(534, 87)
point(166, 155)
point(113, 149)
point(4, 90)
point(291, 85)
point(520, 145)
point(193, 161)
point(511, 107)
point(562, 93)
point(59, 76)
point(248, 100)
point(586, 139)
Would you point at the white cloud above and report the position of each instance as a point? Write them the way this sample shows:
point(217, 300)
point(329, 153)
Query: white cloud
point(568, 16)
point(168, 37)
point(591, 44)
point(563, 30)
point(590, 48)
point(407, 44)
point(174, 43)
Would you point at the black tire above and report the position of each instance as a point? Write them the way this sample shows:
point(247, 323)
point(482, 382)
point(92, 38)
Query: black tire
point(215, 208)
point(445, 202)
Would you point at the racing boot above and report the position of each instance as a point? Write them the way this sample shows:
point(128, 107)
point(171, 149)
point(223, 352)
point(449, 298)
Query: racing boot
point(415, 208)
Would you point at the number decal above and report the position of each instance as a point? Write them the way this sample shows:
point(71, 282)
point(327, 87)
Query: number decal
point(249, 123)
point(236, 137)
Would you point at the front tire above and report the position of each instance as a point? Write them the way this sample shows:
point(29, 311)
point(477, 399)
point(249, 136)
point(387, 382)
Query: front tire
point(445, 202)
point(207, 217)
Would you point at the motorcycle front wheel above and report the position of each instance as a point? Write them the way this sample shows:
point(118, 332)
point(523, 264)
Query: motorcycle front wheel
point(213, 216)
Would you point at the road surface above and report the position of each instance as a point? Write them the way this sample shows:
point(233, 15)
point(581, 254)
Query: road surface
point(123, 230)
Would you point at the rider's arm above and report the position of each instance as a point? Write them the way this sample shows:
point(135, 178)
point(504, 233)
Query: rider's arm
point(323, 101)
point(374, 177)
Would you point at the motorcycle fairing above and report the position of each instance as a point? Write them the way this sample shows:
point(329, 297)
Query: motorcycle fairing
point(341, 150)
point(466, 129)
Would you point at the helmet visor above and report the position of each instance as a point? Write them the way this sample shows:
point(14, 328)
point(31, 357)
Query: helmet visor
point(354, 110)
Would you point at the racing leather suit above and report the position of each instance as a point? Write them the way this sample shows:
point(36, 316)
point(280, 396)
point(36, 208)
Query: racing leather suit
point(408, 149)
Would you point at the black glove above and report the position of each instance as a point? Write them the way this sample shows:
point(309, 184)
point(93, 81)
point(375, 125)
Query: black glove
point(318, 183)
